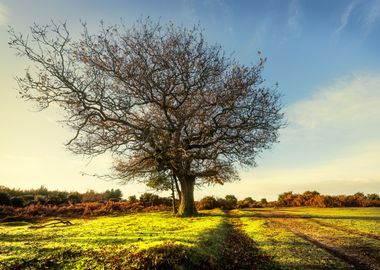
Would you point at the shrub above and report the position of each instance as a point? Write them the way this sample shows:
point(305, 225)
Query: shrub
point(54, 200)
point(231, 201)
point(132, 199)
point(113, 194)
point(92, 196)
point(207, 203)
point(17, 202)
point(223, 204)
point(28, 199)
point(74, 198)
point(5, 199)
point(149, 199)
point(40, 199)
point(246, 203)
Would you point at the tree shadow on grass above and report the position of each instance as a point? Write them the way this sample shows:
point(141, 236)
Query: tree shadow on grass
point(222, 247)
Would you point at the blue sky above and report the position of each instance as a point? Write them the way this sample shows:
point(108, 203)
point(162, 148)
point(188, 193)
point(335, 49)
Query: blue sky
point(324, 54)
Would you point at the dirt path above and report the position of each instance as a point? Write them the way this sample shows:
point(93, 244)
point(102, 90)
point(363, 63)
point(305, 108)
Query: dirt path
point(347, 230)
point(353, 256)
point(275, 214)
point(240, 251)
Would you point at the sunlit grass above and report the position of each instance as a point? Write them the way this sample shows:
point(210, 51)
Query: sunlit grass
point(279, 233)
point(288, 250)
point(348, 212)
point(363, 220)
point(142, 230)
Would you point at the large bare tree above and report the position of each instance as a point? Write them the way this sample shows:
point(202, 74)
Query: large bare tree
point(158, 97)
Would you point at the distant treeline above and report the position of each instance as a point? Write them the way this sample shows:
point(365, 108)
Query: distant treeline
point(286, 199)
point(42, 196)
point(315, 199)
point(24, 197)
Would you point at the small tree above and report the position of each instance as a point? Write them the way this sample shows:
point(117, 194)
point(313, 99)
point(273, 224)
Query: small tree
point(132, 199)
point(162, 181)
point(93, 196)
point(231, 201)
point(114, 194)
point(149, 199)
point(158, 97)
point(373, 197)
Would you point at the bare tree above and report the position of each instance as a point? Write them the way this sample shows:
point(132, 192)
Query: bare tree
point(156, 96)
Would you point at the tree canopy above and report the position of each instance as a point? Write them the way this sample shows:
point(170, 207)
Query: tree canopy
point(157, 96)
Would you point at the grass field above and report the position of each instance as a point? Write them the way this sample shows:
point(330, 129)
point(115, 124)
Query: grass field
point(267, 238)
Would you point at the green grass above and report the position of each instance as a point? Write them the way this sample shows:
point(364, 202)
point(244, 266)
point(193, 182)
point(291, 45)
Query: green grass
point(99, 243)
point(287, 250)
point(142, 231)
point(364, 220)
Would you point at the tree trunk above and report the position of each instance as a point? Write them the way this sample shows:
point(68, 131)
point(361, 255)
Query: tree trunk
point(177, 187)
point(187, 204)
point(173, 196)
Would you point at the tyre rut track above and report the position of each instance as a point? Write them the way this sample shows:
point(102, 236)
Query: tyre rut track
point(319, 222)
point(241, 252)
point(359, 261)
point(347, 230)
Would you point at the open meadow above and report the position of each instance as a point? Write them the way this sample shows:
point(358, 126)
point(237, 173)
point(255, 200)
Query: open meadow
point(265, 238)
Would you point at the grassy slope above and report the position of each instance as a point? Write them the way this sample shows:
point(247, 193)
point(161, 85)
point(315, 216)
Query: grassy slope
point(142, 231)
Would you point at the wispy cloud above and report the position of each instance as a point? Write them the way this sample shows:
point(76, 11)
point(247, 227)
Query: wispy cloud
point(351, 103)
point(188, 10)
point(345, 17)
point(4, 14)
point(373, 15)
point(220, 10)
point(331, 145)
point(260, 35)
point(293, 26)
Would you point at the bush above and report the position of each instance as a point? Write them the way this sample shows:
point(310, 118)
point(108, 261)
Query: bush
point(207, 203)
point(17, 202)
point(40, 199)
point(149, 199)
point(246, 203)
point(132, 199)
point(92, 196)
point(54, 200)
point(74, 198)
point(28, 199)
point(113, 194)
point(5, 199)
point(231, 200)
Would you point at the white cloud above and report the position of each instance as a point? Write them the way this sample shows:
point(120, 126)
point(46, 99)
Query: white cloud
point(345, 17)
point(351, 104)
point(3, 14)
point(332, 144)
